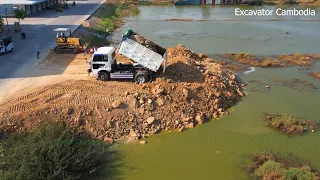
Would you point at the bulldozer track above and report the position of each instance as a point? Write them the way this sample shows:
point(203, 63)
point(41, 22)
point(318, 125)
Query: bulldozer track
point(53, 97)
point(19, 108)
point(31, 95)
point(63, 94)
point(75, 102)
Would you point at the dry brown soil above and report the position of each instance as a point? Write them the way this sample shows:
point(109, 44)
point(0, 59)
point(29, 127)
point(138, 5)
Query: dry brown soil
point(193, 90)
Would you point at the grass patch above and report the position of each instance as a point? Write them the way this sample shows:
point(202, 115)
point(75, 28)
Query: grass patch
point(289, 124)
point(109, 16)
point(95, 41)
point(55, 151)
point(106, 18)
point(286, 167)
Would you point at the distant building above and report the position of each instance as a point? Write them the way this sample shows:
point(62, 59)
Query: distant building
point(30, 6)
point(195, 2)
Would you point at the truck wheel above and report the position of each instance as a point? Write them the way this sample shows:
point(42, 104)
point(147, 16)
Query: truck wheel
point(141, 77)
point(104, 76)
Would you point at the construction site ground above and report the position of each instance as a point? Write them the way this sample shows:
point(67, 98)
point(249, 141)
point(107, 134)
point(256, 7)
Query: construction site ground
point(193, 90)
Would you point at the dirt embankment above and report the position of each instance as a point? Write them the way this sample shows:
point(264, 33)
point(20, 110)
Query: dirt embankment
point(241, 62)
point(249, 59)
point(192, 91)
point(274, 62)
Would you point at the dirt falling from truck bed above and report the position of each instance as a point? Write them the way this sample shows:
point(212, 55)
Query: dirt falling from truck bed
point(192, 91)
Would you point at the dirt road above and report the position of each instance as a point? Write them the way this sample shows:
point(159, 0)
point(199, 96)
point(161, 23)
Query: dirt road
point(52, 70)
point(39, 29)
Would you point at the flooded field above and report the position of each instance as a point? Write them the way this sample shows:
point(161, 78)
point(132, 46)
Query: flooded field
point(219, 149)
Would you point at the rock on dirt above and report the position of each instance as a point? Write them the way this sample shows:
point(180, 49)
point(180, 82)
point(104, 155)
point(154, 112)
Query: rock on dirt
point(181, 129)
point(190, 126)
point(108, 140)
point(200, 118)
point(160, 102)
point(185, 92)
point(150, 120)
point(116, 104)
point(158, 89)
point(133, 136)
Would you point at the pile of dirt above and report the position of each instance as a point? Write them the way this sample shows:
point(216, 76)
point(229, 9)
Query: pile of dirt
point(249, 59)
point(300, 59)
point(274, 62)
point(146, 43)
point(192, 91)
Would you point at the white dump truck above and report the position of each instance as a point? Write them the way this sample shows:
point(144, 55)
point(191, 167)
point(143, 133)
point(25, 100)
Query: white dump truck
point(6, 44)
point(146, 62)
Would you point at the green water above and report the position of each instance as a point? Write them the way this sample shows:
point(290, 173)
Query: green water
point(220, 148)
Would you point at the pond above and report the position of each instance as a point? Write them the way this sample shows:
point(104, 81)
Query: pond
point(219, 149)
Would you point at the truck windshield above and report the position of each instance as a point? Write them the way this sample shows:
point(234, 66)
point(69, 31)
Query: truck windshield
point(7, 41)
point(97, 58)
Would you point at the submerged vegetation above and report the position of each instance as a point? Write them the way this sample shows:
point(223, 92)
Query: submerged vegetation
point(289, 124)
point(298, 84)
point(55, 151)
point(270, 166)
point(293, 83)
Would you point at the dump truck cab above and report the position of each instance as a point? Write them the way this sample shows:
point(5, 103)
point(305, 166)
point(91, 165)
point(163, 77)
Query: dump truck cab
point(6, 44)
point(102, 60)
point(104, 66)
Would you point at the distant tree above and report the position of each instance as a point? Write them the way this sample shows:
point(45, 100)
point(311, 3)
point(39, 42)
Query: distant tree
point(20, 14)
point(1, 23)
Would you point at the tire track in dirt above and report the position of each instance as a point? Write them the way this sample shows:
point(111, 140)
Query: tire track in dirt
point(63, 94)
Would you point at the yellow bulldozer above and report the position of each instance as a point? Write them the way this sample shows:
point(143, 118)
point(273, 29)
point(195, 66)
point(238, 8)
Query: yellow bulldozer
point(66, 43)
